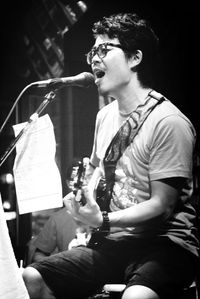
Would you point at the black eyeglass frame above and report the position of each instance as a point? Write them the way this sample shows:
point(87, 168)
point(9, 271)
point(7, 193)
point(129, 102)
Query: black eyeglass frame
point(95, 50)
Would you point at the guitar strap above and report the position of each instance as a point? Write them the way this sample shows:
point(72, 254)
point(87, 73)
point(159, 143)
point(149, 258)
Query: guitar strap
point(123, 138)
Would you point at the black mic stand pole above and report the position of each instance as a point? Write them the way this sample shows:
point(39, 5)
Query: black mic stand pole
point(47, 99)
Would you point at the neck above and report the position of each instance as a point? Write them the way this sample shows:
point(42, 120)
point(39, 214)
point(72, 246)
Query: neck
point(129, 103)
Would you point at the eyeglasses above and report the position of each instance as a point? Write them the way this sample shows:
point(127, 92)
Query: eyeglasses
point(101, 51)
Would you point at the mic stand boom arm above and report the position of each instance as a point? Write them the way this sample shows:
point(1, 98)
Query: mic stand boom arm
point(48, 98)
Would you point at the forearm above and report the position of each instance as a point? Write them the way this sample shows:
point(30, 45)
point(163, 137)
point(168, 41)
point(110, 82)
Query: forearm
point(137, 214)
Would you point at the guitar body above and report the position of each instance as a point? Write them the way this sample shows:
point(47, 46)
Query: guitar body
point(101, 195)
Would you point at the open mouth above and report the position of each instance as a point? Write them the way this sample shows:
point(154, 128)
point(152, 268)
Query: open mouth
point(99, 74)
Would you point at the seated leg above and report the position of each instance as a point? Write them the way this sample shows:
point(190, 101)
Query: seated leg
point(35, 285)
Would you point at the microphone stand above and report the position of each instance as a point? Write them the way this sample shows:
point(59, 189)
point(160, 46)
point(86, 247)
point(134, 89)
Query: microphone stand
point(47, 99)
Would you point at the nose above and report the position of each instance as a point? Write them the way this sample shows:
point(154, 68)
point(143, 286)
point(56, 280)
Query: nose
point(96, 59)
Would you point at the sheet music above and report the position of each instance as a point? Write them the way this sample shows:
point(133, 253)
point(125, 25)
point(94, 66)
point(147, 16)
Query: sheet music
point(37, 177)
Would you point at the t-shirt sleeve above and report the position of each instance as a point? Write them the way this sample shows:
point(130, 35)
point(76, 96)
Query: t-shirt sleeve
point(46, 239)
point(171, 149)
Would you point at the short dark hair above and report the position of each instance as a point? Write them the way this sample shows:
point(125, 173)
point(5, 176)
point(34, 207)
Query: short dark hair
point(133, 33)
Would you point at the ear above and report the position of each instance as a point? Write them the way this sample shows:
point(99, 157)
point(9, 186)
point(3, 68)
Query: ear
point(135, 59)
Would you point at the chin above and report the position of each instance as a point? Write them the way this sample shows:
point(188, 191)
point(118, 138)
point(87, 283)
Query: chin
point(103, 90)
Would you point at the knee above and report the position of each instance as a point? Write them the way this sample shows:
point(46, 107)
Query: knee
point(33, 281)
point(31, 275)
point(139, 292)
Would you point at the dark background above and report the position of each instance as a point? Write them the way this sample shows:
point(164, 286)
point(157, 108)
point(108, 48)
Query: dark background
point(174, 23)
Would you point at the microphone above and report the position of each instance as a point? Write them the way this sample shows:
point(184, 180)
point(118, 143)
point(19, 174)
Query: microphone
point(82, 80)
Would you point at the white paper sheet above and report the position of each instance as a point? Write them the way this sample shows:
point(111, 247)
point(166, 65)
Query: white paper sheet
point(11, 283)
point(37, 177)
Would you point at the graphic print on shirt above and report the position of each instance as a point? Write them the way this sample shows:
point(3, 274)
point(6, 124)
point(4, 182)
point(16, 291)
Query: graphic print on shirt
point(124, 191)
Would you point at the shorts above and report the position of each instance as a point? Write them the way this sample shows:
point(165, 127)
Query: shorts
point(80, 272)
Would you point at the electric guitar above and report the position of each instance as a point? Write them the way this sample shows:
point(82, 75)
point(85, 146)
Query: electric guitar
point(97, 183)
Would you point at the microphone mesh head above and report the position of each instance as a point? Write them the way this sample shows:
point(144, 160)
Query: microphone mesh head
point(87, 79)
